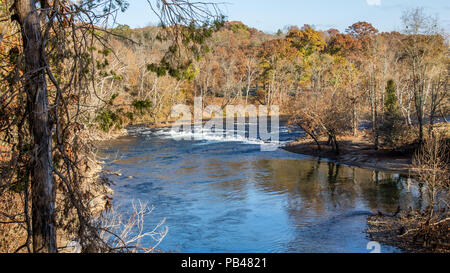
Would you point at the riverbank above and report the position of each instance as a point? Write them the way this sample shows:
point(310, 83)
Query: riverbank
point(91, 184)
point(406, 230)
point(356, 152)
point(410, 232)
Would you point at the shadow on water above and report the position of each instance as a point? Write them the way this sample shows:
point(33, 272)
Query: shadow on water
point(220, 196)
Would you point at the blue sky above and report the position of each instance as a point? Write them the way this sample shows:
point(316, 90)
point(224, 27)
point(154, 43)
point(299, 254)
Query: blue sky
point(271, 15)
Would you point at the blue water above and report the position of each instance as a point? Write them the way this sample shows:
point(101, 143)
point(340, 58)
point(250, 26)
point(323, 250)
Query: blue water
point(225, 195)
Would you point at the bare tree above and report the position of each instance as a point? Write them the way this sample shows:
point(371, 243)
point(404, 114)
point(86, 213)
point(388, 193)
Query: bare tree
point(127, 235)
point(42, 187)
point(61, 36)
point(431, 163)
point(420, 48)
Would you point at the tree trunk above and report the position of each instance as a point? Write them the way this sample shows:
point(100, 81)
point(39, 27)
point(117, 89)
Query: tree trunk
point(432, 117)
point(377, 132)
point(420, 130)
point(374, 108)
point(419, 110)
point(249, 83)
point(312, 135)
point(336, 145)
point(317, 142)
point(408, 118)
point(354, 118)
point(42, 186)
point(330, 140)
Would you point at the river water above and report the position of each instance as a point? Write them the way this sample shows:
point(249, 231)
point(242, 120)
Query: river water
point(224, 194)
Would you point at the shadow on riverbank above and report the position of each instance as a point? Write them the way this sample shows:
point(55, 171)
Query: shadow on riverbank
point(356, 152)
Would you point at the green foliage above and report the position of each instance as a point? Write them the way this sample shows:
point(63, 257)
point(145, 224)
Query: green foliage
point(111, 100)
point(110, 118)
point(392, 128)
point(240, 29)
point(129, 116)
point(187, 46)
point(237, 27)
point(123, 31)
point(391, 101)
point(107, 120)
point(160, 70)
point(180, 71)
point(142, 106)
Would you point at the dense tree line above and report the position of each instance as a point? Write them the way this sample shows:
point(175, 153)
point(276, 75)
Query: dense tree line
point(328, 82)
point(63, 78)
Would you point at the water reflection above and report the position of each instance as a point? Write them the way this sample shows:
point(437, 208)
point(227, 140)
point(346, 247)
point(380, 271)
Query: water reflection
point(230, 197)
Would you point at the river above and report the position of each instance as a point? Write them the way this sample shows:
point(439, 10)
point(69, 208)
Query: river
point(222, 194)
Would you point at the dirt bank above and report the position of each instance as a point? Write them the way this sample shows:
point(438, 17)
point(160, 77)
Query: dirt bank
point(409, 232)
point(355, 152)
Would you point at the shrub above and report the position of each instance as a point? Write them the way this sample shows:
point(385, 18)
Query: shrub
point(108, 120)
point(142, 106)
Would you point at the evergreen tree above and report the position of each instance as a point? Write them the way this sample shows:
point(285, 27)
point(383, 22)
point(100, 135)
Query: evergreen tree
point(391, 128)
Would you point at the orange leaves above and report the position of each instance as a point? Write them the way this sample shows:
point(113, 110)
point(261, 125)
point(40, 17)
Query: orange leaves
point(278, 48)
point(5, 152)
point(344, 45)
point(360, 30)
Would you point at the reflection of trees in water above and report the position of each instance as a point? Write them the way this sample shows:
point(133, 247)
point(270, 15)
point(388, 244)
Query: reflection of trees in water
point(382, 191)
point(317, 192)
point(306, 183)
point(319, 188)
point(311, 188)
point(333, 174)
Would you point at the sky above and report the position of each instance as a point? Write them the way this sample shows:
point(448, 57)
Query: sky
point(271, 15)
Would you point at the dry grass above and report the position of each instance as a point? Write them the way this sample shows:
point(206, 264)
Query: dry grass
point(411, 233)
point(426, 230)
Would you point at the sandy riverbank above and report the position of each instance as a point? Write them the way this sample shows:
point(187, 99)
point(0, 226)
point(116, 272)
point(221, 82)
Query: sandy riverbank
point(355, 152)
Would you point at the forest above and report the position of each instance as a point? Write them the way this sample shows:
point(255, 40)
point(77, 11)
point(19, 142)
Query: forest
point(397, 82)
point(66, 82)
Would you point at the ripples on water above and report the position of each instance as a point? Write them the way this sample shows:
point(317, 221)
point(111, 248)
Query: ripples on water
point(225, 195)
